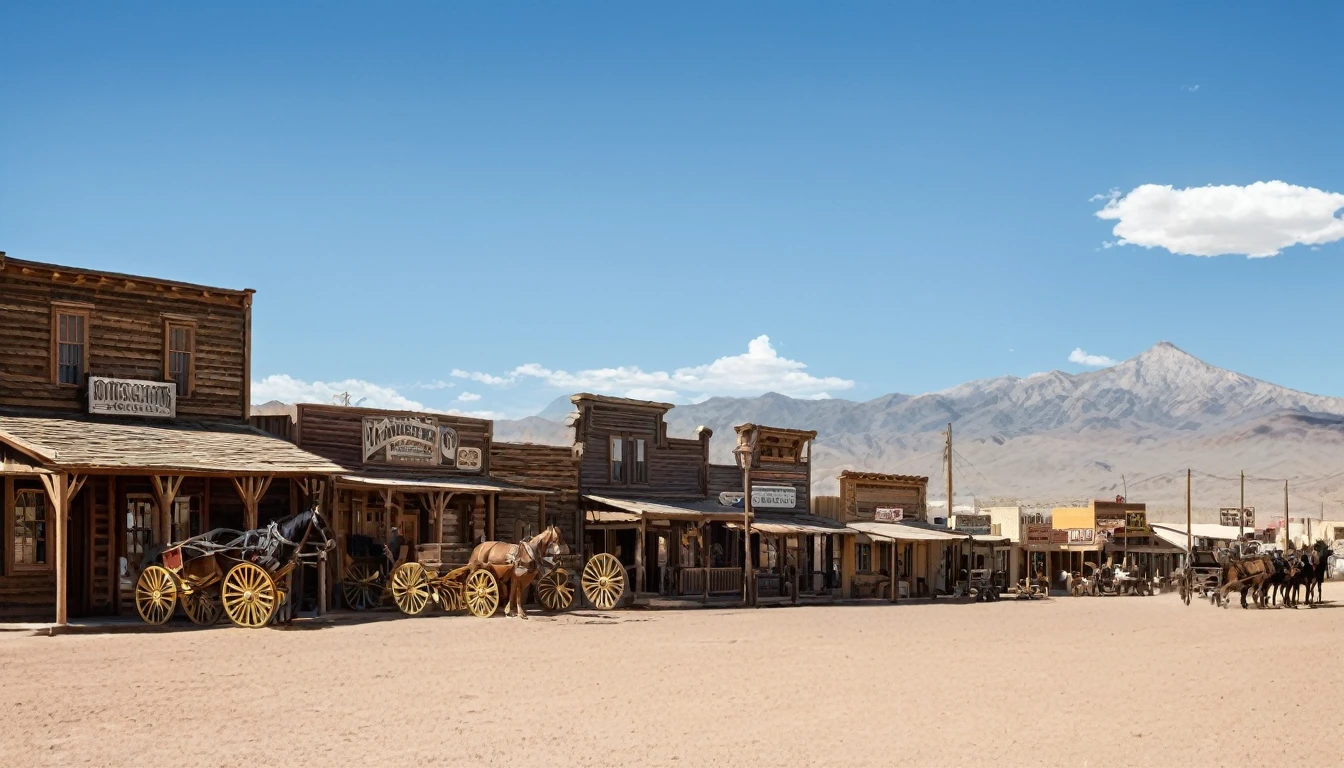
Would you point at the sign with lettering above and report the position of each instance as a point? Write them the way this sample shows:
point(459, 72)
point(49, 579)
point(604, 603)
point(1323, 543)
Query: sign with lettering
point(132, 397)
point(1081, 535)
point(1059, 535)
point(448, 445)
point(1231, 516)
point(888, 514)
point(1110, 524)
point(1136, 522)
point(1037, 534)
point(401, 439)
point(468, 458)
point(976, 525)
point(763, 497)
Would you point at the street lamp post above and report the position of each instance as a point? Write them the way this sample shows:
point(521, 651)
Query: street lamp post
point(743, 453)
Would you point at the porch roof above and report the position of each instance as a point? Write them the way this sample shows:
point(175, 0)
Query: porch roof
point(906, 532)
point(791, 524)
point(83, 443)
point(669, 509)
point(457, 484)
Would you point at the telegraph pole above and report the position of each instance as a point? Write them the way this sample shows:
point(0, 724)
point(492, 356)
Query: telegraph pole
point(1285, 515)
point(1189, 534)
point(948, 451)
point(1241, 511)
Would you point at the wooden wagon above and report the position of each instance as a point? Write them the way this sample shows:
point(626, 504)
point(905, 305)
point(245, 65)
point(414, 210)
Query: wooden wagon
point(1203, 575)
point(414, 586)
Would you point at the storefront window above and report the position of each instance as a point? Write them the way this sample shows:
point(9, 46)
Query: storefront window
point(30, 528)
point(863, 558)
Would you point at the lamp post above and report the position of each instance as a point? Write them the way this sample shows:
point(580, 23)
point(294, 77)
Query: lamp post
point(743, 454)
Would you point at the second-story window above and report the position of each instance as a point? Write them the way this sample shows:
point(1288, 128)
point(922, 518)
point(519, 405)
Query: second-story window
point(641, 460)
point(617, 460)
point(70, 345)
point(180, 355)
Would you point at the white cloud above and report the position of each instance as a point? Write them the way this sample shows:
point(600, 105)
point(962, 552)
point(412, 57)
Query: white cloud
point(1190, 88)
point(1256, 220)
point(760, 369)
point(436, 384)
point(468, 397)
point(1095, 361)
point(288, 389)
point(483, 378)
point(1112, 194)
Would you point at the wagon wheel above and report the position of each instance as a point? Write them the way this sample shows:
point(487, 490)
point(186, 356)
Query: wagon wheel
point(202, 606)
point(481, 593)
point(362, 587)
point(450, 594)
point(410, 588)
point(249, 595)
point(156, 594)
point(554, 592)
point(603, 581)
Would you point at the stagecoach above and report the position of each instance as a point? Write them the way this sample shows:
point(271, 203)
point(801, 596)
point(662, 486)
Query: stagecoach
point(1202, 576)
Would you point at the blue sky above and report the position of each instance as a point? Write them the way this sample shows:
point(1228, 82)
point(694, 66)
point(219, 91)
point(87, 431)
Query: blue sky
point(552, 196)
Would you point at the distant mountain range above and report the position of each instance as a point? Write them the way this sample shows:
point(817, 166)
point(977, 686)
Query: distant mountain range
point(1053, 437)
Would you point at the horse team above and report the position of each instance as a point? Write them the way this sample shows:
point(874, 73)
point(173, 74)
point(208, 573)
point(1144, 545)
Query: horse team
point(1273, 578)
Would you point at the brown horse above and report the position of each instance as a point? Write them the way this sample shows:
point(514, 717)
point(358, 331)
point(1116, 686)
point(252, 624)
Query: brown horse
point(1245, 575)
point(516, 566)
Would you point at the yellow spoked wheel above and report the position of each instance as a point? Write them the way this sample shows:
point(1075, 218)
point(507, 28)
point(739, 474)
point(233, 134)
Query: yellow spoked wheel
point(156, 594)
point(410, 588)
point(554, 591)
point(450, 593)
point(362, 587)
point(481, 594)
point(603, 581)
point(250, 595)
point(202, 607)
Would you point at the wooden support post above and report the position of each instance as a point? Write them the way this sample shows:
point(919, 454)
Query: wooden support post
point(491, 502)
point(541, 514)
point(321, 583)
point(251, 489)
point(61, 489)
point(895, 575)
point(165, 490)
point(639, 557)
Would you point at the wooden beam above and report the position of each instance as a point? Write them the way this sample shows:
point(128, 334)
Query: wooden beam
point(55, 485)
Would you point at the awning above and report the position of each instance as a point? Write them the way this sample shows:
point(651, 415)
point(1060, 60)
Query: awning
point(607, 516)
point(455, 484)
point(82, 443)
point(794, 524)
point(991, 540)
point(903, 532)
point(1174, 538)
point(669, 509)
point(1204, 531)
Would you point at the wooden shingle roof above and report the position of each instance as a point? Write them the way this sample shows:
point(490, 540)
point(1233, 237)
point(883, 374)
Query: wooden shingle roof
point(89, 443)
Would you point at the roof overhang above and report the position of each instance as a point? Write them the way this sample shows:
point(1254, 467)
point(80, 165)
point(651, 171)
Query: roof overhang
point(903, 532)
point(452, 484)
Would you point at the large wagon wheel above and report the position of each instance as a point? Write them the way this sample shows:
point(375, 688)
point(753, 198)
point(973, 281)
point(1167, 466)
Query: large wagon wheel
point(202, 606)
point(250, 596)
point(481, 593)
point(362, 587)
point(603, 581)
point(554, 592)
point(156, 594)
point(450, 595)
point(410, 588)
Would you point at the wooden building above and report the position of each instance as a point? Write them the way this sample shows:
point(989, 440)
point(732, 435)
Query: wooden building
point(124, 424)
point(436, 478)
point(895, 551)
point(676, 520)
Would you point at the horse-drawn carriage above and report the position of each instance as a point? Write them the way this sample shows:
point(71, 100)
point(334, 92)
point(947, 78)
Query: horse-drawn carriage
point(1202, 576)
point(242, 574)
point(499, 569)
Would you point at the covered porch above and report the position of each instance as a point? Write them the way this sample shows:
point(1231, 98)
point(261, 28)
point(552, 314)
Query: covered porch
point(911, 559)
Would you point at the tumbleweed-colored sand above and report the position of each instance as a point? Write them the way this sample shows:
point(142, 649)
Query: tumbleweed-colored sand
point(1073, 682)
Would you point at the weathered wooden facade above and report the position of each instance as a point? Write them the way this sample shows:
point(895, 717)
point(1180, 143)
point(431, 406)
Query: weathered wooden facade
point(123, 425)
point(676, 521)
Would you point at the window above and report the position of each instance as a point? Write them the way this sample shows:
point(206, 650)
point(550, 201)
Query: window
point(641, 462)
point(186, 518)
point(30, 528)
point(617, 460)
point(863, 558)
point(69, 345)
point(139, 528)
point(179, 351)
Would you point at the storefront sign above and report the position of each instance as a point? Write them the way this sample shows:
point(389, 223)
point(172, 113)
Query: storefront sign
point(976, 525)
point(1136, 522)
point(401, 439)
point(1110, 524)
point(1038, 534)
point(1081, 535)
point(132, 397)
point(448, 446)
point(763, 497)
point(889, 514)
point(1231, 516)
point(468, 458)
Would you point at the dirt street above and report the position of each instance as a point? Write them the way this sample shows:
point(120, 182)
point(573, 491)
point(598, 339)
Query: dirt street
point(1069, 682)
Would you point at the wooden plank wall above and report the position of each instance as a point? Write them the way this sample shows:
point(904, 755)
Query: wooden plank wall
point(677, 466)
point(543, 467)
point(795, 475)
point(337, 433)
point(281, 426)
point(724, 477)
point(125, 338)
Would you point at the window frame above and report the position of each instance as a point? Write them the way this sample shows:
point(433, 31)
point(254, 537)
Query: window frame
point(169, 323)
point(616, 443)
point(71, 309)
point(12, 528)
point(639, 468)
point(863, 552)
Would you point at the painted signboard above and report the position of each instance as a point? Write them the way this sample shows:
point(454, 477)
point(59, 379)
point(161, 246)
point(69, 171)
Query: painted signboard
point(976, 525)
point(448, 446)
point(889, 514)
point(763, 497)
point(401, 439)
point(1081, 535)
point(1231, 516)
point(468, 458)
point(1136, 522)
point(132, 397)
point(1037, 534)
point(1059, 535)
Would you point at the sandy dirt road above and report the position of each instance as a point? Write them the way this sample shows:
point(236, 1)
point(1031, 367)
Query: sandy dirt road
point(1069, 682)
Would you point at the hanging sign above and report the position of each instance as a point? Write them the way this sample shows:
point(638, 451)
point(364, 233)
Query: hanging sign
point(1231, 516)
point(1038, 534)
point(763, 497)
point(132, 397)
point(889, 514)
point(448, 446)
point(1136, 522)
point(976, 525)
point(468, 458)
point(1081, 535)
point(401, 439)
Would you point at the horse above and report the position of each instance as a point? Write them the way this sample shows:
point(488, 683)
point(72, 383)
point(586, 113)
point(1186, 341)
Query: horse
point(518, 565)
point(287, 539)
point(1243, 575)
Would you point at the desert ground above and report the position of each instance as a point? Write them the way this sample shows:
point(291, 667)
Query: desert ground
point(1118, 681)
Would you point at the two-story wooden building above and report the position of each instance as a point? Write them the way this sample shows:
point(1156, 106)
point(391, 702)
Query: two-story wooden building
point(676, 520)
point(124, 424)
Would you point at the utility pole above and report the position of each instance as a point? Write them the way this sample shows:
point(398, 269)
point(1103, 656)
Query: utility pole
point(1241, 511)
point(1189, 534)
point(1285, 515)
point(948, 451)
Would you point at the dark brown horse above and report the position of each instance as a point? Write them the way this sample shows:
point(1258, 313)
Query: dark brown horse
point(518, 565)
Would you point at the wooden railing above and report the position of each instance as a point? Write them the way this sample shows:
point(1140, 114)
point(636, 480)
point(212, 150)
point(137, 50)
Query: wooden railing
point(722, 581)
